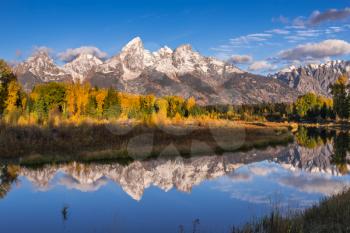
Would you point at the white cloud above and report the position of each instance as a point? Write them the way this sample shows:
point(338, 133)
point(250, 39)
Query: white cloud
point(280, 19)
point(240, 59)
point(261, 170)
point(318, 17)
point(42, 49)
point(71, 54)
point(256, 37)
point(296, 27)
point(240, 177)
point(303, 188)
point(71, 183)
point(314, 184)
point(308, 33)
point(279, 31)
point(294, 38)
point(261, 66)
point(326, 48)
point(334, 29)
point(223, 48)
point(299, 21)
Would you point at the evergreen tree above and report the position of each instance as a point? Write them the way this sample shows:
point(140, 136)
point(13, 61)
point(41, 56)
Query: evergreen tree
point(112, 107)
point(91, 107)
point(340, 97)
point(6, 76)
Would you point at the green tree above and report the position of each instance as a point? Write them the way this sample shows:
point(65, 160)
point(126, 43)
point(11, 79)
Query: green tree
point(340, 97)
point(305, 103)
point(176, 104)
point(147, 104)
point(112, 108)
point(48, 97)
point(91, 107)
point(6, 76)
point(313, 107)
point(341, 150)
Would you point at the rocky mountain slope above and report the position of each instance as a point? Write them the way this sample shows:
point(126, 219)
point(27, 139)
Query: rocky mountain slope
point(314, 77)
point(182, 71)
point(80, 67)
point(39, 68)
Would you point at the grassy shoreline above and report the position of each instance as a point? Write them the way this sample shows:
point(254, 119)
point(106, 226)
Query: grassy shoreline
point(329, 215)
point(125, 140)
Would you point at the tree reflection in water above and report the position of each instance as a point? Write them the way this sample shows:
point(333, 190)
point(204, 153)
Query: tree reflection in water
point(8, 175)
point(341, 151)
point(313, 137)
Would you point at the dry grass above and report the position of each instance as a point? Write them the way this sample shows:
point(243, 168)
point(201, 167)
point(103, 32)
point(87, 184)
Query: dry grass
point(120, 139)
point(330, 215)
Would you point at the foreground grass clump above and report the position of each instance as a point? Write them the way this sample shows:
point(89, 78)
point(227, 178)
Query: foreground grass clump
point(331, 215)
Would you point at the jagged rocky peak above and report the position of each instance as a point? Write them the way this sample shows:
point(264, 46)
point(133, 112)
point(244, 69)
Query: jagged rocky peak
point(134, 58)
point(313, 77)
point(164, 52)
point(186, 60)
point(36, 63)
point(183, 49)
point(134, 45)
point(80, 67)
point(134, 54)
point(40, 56)
point(41, 66)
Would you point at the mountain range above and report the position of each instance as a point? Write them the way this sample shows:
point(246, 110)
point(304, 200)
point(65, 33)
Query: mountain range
point(183, 72)
point(313, 77)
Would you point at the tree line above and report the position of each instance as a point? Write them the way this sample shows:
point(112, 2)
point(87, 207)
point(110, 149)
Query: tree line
point(74, 101)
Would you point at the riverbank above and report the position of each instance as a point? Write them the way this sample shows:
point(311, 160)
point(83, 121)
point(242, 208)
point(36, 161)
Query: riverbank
point(330, 215)
point(135, 140)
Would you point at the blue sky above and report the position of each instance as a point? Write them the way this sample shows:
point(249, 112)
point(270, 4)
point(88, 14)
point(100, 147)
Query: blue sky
point(258, 30)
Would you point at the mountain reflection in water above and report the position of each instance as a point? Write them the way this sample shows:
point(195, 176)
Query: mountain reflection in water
point(295, 176)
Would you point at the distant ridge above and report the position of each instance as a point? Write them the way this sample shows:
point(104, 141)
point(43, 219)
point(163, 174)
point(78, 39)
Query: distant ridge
point(313, 77)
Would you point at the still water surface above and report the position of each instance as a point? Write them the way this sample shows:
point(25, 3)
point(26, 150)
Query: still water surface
point(208, 193)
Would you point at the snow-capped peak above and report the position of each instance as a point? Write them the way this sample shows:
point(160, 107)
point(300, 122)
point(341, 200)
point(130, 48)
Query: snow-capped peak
point(135, 58)
point(39, 60)
point(163, 52)
point(41, 65)
point(187, 60)
point(134, 44)
point(315, 78)
point(81, 66)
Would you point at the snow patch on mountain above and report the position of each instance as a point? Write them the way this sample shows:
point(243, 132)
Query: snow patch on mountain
point(41, 65)
point(315, 78)
point(80, 67)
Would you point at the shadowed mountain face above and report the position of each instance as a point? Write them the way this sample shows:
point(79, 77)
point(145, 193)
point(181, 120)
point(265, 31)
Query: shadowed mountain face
point(313, 78)
point(182, 72)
